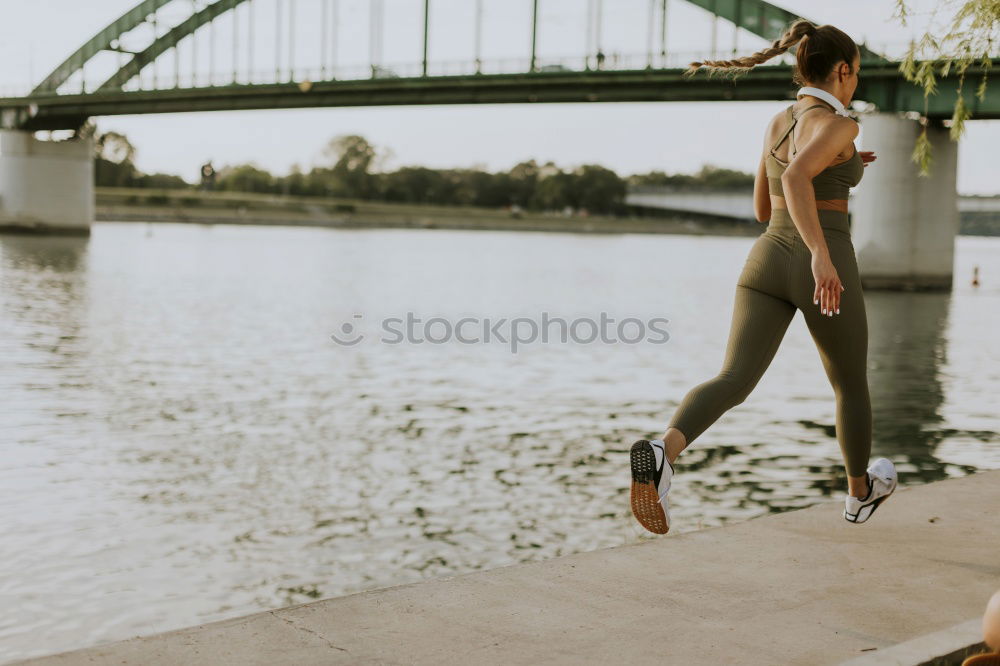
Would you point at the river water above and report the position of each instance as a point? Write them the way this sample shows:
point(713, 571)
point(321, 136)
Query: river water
point(183, 440)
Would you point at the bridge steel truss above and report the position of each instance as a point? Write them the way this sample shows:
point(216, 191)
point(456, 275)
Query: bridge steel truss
point(46, 108)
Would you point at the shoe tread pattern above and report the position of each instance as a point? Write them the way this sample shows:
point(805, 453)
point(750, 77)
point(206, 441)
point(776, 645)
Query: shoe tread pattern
point(644, 498)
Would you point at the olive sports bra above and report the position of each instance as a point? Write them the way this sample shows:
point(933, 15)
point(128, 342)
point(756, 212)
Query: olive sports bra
point(830, 183)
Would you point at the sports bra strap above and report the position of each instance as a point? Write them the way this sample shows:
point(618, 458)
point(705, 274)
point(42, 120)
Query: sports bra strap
point(792, 120)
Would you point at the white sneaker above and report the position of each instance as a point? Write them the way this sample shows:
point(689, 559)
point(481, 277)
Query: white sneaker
point(882, 481)
point(650, 483)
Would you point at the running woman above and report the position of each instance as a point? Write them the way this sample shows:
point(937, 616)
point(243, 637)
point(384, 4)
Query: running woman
point(805, 260)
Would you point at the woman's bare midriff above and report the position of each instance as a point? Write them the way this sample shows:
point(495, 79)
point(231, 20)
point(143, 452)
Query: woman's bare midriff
point(778, 203)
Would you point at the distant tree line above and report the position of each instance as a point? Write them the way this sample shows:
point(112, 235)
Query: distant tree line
point(350, 172)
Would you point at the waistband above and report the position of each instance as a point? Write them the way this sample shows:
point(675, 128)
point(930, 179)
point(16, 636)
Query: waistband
point(829, 220)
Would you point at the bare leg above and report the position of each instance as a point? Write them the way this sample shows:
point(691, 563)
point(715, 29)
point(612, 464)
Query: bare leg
point(858, 485)
point(675, 441)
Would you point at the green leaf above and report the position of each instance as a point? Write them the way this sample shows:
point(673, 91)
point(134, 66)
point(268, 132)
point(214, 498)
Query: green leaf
point(921, 154)
point(981, 88)
point(958, 118)
point(908, 65)
point(901, 11)
point(925, 77)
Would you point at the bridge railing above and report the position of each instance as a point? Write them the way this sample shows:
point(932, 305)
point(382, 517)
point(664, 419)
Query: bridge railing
point(162, 77)
point(614, 61)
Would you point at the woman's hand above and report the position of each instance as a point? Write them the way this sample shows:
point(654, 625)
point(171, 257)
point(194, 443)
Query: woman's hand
point(866, 156)
point(828, 286)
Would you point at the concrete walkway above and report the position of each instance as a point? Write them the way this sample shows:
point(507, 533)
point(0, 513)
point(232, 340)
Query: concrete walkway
point(801, 587)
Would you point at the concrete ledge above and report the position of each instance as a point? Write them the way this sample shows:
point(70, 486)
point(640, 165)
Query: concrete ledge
point(907, 282)
point(951, 645)
point(800, 587)
point(42, 229)
point(374, 221)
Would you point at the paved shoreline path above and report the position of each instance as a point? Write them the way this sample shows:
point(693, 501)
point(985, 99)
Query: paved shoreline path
point(800, 587)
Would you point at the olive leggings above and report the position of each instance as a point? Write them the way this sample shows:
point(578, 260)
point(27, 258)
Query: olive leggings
point(776, 280)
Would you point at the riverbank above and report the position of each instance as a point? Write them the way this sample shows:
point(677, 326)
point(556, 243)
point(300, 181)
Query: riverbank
point(144, 205)
point(799, 587)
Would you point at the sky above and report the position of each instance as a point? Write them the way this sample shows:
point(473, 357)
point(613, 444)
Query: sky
point(674, 137)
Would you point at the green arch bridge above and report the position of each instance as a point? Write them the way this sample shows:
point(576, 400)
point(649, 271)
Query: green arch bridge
point(104, 77)
point(67, 97)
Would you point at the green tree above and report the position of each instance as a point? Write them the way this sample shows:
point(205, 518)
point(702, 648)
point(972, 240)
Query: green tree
point(295, 183)
point(114, 160)
point(414, 185)
point(709, 177)
point(521, 183)
point(597, 189)
point(160, 181)
point(353, 158)
point(970, 38)
point(321, 182)
point(487, 188)
point(719, 178)
point(554, 191)
point(244, 178)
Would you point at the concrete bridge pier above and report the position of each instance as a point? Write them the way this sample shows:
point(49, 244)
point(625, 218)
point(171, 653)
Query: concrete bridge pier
point(904, 225)
point(46, 186)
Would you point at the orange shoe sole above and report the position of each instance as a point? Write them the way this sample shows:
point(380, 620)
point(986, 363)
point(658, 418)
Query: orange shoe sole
point(645, 499)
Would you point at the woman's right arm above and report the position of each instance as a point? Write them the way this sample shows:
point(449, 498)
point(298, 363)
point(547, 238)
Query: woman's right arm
point(831, 136)
point(762, 192)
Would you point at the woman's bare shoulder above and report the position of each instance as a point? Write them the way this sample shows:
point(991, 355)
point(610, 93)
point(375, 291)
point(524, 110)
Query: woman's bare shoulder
point(837, 124)
point(776, 125)
point(827, 124)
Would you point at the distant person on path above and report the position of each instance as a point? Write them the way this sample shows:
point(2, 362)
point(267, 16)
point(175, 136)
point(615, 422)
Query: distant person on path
point(806, 261)
point(207, 176)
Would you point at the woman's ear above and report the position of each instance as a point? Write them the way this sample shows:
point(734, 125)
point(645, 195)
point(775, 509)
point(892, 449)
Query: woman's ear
point(843, 70)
